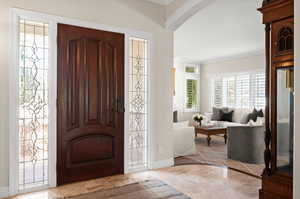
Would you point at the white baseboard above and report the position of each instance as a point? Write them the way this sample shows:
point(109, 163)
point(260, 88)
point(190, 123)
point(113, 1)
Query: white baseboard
point(4, 192)
point(162, 163)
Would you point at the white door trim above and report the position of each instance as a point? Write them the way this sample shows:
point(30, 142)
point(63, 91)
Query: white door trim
point(53, 20)
point(13, 105)
point(13, 102)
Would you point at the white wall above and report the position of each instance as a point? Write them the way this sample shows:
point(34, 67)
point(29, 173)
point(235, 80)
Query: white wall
point(179, 98)
point(297, 105)
point(232, 65)
point(131, 14)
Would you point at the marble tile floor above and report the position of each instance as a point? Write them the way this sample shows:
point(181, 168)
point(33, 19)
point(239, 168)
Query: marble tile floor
point(216, 154)
point(196, 181)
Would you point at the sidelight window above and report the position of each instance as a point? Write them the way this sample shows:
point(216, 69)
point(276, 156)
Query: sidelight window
point(138, 104)
point(33, 104)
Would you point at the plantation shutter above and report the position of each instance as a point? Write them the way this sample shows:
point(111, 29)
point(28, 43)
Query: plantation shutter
point(240, 91)
point(258, 90)
point(218, 92)
point(191, 90)
point(231, 92)
point(243, 91)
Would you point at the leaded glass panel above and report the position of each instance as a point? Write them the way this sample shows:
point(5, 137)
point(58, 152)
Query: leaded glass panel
point(33, 104)
point(138, 94)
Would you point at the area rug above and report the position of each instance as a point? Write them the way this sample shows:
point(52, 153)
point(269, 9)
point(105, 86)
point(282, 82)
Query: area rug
point(216, 154)
point(150, 189)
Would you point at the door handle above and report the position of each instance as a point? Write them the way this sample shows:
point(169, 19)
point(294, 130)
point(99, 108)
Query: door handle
point(120, 106)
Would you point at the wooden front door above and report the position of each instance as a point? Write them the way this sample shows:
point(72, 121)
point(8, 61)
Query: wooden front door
point(90, 117)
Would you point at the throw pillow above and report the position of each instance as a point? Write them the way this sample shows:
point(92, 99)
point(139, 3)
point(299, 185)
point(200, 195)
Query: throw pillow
point(226, 116)
point(253, 116)
point(260, 113)
point(216, 115)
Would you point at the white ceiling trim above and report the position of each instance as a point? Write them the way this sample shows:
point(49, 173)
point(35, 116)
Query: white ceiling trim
point(182, 14)
point(162, 2)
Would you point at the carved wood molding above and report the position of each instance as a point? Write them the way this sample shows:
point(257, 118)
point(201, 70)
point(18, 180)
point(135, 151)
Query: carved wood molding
point(267, 153)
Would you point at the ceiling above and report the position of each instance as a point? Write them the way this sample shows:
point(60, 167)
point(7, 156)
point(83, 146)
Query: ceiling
point(222, 29)
point(162, 2)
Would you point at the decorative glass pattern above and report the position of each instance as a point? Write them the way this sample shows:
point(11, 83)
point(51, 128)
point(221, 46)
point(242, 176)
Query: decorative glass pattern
point(138, 142)
point(33, 104)
point(286, 39)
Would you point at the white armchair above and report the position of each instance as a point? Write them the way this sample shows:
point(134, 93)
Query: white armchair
point(184, 139)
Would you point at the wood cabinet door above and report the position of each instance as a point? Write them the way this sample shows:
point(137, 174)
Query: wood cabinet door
point(90, 140)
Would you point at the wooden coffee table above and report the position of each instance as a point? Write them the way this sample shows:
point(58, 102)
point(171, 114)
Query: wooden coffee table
point(209, 131)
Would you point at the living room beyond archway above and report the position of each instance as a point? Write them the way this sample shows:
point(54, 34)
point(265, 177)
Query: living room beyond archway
point(220, 81)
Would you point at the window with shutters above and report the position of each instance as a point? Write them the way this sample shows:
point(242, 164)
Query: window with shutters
point(228, 87)
point(192, 86)
point(191, 92)
point(218, 92)
point(258, 90)
point(239, 90)
point(243, 91)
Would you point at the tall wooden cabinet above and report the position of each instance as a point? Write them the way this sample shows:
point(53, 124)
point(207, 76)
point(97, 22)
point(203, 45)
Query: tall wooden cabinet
point(277, 179)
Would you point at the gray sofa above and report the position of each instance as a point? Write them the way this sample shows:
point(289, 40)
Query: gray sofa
point(246, 143)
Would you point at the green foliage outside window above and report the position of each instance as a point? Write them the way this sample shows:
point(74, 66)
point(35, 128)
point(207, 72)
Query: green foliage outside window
point(190, 69)
point(191, 89)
